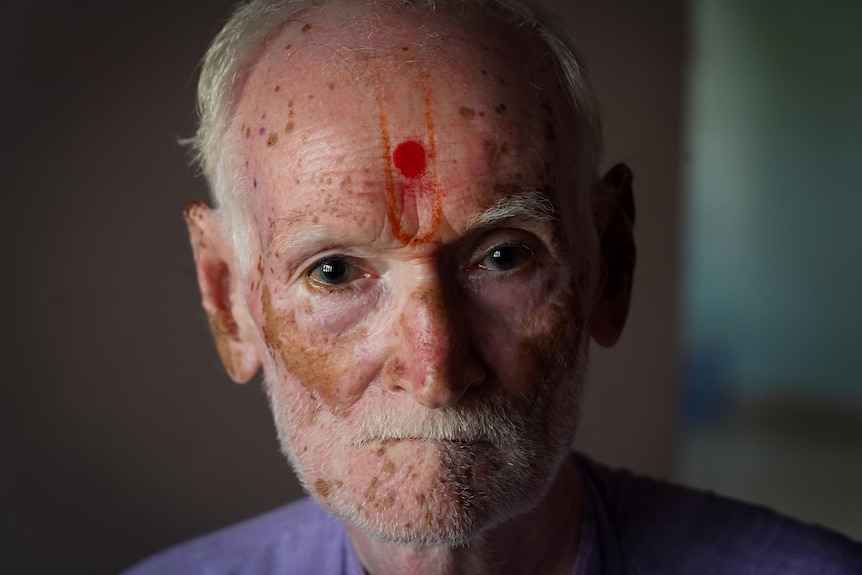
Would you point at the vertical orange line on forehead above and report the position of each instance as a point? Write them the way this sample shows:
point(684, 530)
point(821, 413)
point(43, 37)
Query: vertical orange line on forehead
point(391, 201)
point(437, 208)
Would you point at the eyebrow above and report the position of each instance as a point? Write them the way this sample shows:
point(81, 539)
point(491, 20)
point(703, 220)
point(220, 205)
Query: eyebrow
point(299, 245)
point(530, 205)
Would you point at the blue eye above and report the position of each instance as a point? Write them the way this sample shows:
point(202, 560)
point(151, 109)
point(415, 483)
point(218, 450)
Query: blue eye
point(506, 258)
point(333, 271)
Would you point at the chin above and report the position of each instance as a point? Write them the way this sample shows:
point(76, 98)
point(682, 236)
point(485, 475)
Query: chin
point(422, 493)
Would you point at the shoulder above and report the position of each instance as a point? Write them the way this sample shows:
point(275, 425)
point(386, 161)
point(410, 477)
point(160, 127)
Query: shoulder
point(664, 528)
point(298, 538)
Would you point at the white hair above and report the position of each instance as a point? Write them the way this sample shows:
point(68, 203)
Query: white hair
point(238, 46)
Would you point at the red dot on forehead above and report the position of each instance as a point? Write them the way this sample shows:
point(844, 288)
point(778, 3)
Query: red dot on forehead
point(409, 158)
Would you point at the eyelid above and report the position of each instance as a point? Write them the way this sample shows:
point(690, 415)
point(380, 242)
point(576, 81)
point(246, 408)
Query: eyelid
point(505, 237)
point(362, 273)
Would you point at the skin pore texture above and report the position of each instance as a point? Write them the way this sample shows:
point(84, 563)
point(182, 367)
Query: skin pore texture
point(423, 283)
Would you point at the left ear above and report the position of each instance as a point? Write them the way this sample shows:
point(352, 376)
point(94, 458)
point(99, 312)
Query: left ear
point(219, 280)
point(614, 217)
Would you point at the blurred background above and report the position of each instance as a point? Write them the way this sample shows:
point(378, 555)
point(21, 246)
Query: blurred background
point(738, 372)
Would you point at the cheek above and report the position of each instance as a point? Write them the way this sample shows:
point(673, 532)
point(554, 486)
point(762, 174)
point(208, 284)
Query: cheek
point(324, 347)
point(528, 327)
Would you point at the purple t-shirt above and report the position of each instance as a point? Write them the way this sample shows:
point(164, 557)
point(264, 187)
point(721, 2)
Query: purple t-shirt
point(631, 525)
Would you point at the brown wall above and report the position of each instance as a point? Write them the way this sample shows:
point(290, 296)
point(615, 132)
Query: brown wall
point(121, 434)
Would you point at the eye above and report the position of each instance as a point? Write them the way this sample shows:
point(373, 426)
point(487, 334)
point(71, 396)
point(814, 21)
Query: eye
point(507, 257)
point(335, 271)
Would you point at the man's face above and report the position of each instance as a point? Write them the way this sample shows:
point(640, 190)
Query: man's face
point(415, 297)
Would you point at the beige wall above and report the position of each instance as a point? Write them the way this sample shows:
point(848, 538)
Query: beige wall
point(120, 432)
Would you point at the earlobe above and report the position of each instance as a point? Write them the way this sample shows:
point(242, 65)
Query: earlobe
point(615, 214)
point(221, 295)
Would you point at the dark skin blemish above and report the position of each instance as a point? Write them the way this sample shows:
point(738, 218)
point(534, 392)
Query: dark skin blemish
point(272, 140)
point(388, 501)
point(371, 491)
point(306, 28)
point(325, 488)
point(248, 132)
point(466, 112)
point(289, 127)
point(322, 487)
point(500, 109)
point(277, 88)
point(318, 364)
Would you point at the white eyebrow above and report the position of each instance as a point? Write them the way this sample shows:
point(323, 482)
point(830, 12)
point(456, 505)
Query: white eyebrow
point(309, 240)
point(531, 205)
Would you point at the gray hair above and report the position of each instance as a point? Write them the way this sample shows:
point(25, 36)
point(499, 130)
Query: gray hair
point(236, 49)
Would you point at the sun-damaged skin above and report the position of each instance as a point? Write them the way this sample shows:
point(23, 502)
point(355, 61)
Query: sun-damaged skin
point(423, 368)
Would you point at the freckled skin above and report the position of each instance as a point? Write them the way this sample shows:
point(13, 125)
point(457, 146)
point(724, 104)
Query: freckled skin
point(422, 333)
point(328, 357)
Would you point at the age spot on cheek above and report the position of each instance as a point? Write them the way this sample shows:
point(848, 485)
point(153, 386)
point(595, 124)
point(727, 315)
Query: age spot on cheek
point(409, 158)
point(318, 362)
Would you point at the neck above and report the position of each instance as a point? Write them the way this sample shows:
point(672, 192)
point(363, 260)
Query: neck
point(544, 540)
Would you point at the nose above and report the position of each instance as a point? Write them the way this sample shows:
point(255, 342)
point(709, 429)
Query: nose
point(434, 360)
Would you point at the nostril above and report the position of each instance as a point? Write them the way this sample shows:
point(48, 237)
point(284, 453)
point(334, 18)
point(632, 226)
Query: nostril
point(394, 375)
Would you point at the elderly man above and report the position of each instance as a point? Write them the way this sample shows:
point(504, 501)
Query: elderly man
point(411, 240)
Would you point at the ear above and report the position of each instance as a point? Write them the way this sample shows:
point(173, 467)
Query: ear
point(614, 216)
point(221, 293)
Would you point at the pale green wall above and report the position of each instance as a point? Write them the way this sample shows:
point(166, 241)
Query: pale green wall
point(773, 269)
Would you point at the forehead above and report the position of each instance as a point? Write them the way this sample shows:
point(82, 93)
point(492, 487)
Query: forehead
point(338, 94)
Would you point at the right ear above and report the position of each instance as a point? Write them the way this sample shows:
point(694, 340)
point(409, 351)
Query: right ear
point(221, 293)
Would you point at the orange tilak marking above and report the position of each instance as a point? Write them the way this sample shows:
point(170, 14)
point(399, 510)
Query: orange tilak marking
point(391, 203)
point(437, 209)
point(392, 211)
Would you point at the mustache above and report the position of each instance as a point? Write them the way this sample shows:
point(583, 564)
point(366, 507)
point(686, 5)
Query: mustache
point(493, 419)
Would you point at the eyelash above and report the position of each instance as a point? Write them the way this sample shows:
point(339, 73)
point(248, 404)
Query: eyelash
point(525, 250)
point(335, 287)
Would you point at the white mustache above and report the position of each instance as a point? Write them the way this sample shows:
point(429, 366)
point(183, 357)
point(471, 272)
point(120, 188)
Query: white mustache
point(493, 421)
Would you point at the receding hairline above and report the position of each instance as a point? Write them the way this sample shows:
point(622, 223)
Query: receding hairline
point(244, 40)
point(229, 53)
